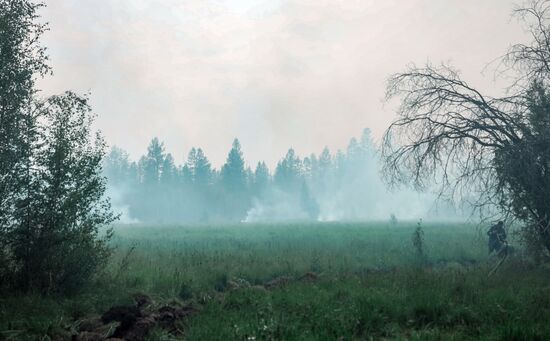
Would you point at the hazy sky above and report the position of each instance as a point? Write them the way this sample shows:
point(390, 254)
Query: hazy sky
point(276, 74)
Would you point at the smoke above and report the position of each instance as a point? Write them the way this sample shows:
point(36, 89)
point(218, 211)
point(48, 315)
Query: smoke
point(355, 204)
point(275, 211)
point(344, 186)
point(200, 72)
point(351, 189)
point(119, 204)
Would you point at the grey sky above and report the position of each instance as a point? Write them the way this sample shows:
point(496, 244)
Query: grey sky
point(275, 74)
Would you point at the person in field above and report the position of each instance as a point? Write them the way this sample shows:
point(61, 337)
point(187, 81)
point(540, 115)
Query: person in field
point(497, 237)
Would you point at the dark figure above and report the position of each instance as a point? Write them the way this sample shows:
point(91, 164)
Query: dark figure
point(497, 237)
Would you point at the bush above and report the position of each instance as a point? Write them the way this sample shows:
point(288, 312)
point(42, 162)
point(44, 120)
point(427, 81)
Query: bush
point(56, 243)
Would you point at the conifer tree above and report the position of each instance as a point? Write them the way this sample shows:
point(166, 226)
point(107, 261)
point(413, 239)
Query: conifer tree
point(261, 179)
point(233, 174)
point(288, 172)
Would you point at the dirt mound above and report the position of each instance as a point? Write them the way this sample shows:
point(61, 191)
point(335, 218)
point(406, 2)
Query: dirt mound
point(278, 282)
point(237, 283)
point(133, 322)
point(309, 277)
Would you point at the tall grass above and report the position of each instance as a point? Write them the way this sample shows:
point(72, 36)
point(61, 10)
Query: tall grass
point(164, 257)
point(369, 284)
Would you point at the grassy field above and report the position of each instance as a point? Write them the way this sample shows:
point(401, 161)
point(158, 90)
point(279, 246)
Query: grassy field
point(325, 281)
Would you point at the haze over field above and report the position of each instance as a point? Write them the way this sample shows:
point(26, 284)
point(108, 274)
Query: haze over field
point(274, 169)
point(275, 74)
point(342, 186)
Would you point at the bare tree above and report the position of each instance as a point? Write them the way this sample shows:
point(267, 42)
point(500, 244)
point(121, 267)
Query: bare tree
point(495, 149)
point(531, 61)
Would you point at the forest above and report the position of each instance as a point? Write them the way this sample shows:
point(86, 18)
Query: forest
point(345, 186)
point(432, 224)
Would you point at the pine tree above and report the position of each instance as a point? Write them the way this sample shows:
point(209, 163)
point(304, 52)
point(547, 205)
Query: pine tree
point(186, 175)
point(169, 174)
point(201, 170)
point(233, 174)
point(151, 164)
point(262, 179)
point(233, 179)
point(288, 172)
point(117, 166)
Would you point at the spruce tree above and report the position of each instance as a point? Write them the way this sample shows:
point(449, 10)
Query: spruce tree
point(234, 182)
point(233, 171)
point(202, 171)
point(261, 179)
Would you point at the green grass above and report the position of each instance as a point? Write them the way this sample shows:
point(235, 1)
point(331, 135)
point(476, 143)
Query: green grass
point(371, 284)
point(165, 257)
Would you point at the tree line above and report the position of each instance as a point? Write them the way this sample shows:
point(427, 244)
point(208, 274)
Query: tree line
point(155, 189)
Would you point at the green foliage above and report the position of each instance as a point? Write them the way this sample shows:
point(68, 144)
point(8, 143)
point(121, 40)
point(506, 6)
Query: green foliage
point(51, 182)
point(57, 245)
point(22, 61)
point(522, 170)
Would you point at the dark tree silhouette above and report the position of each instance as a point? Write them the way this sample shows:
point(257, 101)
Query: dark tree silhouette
point(51, 182)
point(58, 244)
point(22, 61)
point(233, 174)
point(495, 147)
point(234, 183)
